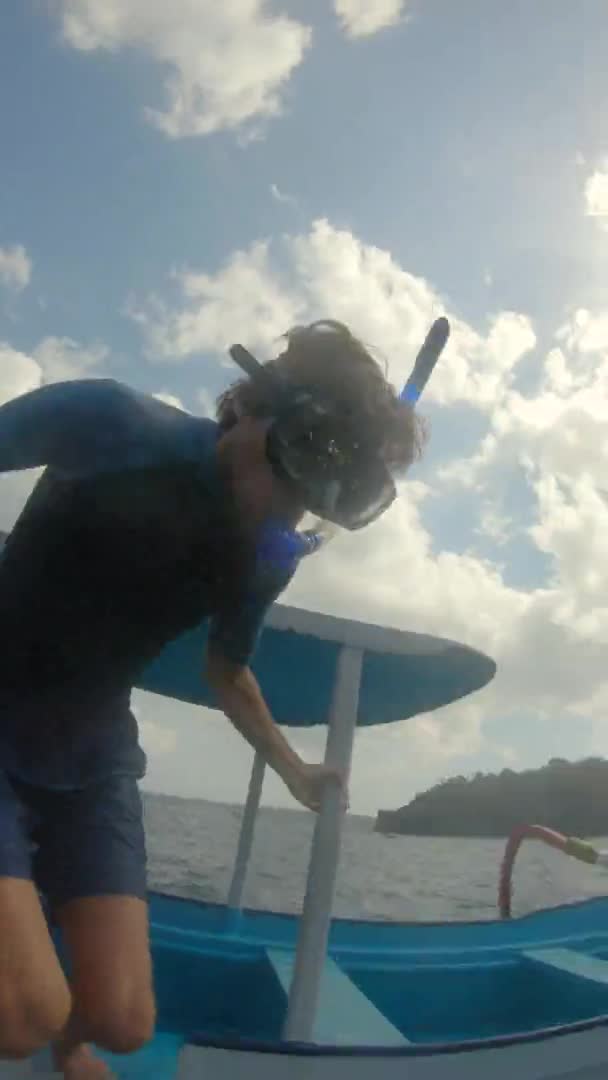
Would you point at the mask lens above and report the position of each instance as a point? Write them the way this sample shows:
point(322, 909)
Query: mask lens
point(337, 473)
point(340, 483)
point(368, 495)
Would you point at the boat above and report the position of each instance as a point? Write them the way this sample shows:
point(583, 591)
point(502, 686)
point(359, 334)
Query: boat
point(246, 994)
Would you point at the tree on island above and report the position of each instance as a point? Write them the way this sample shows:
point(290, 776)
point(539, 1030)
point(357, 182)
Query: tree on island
point(571, 797)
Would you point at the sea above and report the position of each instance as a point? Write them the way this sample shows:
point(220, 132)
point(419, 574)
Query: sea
point(192, 845)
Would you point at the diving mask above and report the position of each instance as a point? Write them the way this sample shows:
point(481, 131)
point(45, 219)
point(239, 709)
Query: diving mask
point(336, 467)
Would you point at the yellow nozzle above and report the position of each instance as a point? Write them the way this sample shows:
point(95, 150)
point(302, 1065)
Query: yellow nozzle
point(580, 849)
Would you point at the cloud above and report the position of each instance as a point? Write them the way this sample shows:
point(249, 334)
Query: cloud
point(63, 358)
point(227, 63)
point(19, 373)
point(195, 752)
point(246, 299)
point(170, 399)
point(560, 429)
point(260, 292)
point(156, 739)
point(207, 403)
point(493, 524)
point(556, 438)
point(51, 360)
point(282, 197)
point(15, 267)
point(596, 195)
point(360, 18)
point(392, 309)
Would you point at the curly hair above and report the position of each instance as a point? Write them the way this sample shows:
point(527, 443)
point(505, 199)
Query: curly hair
point(328, 358)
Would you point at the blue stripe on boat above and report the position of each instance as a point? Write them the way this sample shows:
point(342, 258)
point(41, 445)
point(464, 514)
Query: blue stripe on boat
point(345, 1016)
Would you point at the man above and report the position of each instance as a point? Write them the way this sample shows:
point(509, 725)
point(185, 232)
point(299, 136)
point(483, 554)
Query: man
point(145, 521)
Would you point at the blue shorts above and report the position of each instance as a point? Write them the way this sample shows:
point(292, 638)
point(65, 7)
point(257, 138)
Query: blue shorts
point(74, 844)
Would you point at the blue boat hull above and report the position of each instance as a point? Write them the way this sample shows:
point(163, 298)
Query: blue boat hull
point(525, 999)
point(436, 983)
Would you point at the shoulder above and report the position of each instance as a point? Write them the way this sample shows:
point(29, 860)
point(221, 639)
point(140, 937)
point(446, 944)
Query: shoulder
point(115, 425)
point(152, 426)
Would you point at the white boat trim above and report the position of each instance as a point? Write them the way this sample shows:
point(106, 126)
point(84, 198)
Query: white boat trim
point(579, 1054)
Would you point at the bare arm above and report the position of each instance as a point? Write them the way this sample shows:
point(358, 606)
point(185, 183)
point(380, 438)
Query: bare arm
point(240, 698)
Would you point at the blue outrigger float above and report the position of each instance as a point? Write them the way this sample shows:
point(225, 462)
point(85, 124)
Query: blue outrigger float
point(258, 995)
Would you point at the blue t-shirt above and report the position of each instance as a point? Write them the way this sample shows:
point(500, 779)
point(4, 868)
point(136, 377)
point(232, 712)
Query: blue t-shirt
point(130, 537)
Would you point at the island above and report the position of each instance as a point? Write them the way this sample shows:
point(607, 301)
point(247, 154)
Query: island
point(570, 796)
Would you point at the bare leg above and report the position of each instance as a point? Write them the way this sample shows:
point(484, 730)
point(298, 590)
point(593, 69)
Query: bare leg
point(75, 1059)
point(34, 996)
point(113, 1002)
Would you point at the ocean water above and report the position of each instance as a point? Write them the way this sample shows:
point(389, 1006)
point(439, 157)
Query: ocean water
point(192, 844)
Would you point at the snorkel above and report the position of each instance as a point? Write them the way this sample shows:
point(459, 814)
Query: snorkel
point(298, 418)
point(433, 346)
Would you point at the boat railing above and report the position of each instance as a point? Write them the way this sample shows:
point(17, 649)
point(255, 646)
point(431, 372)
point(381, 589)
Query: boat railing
point(568, 845)
point(325, 851)
point(368, 675)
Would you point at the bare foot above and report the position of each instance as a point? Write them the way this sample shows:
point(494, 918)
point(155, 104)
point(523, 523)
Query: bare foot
point(80, 1063)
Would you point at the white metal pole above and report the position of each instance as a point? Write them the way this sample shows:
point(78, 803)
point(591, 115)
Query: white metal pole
point(325, 854)
point(250, 813)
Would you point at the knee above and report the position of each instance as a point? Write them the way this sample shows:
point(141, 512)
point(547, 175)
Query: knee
point(120, 1026)
point(30, 1021)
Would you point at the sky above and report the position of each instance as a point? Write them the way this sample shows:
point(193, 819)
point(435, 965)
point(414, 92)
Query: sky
point(177, 177)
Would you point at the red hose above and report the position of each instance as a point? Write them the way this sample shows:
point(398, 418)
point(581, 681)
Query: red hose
point(519, 834)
